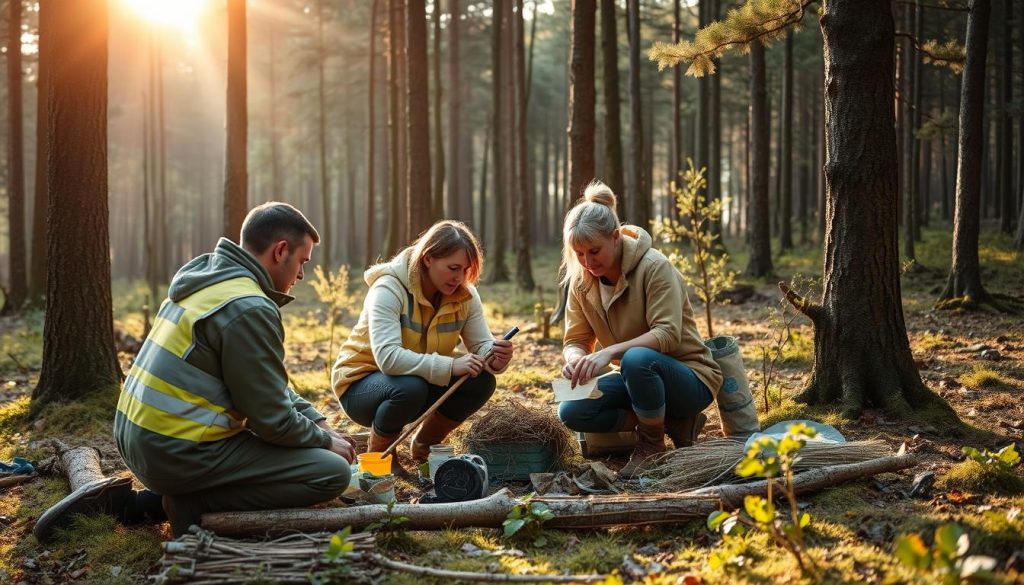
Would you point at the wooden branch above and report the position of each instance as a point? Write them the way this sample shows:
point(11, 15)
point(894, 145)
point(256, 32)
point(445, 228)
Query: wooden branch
point(394, 565)
point(813, 312)
point(570, 512)
point(81, 464)
point(13, 480)
point(732, 496)
point(921, 49)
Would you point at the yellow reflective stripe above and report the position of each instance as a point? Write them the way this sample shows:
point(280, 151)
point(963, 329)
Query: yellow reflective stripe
point(170, 389)
point(169, 425)
point(176, 337)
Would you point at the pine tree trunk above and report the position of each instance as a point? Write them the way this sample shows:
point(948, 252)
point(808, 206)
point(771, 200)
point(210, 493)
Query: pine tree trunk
point(17, 292)
point(676, 165)
point(484, 208)
point(455, 201)
point(499, 76)
point(1008, 197)
point(786, 187)
point(37, 272)
point(906, 139)
point(236, 176)
point(701, 140)
point(524, 272)
point(543, 219)
point(437, 208)
point(276, 186)
point(760, 262)
point(915, 120)
point(637, 204)
point(581, 100)
point(965, 272)
point(417, 109)
point(396, 47)
point(325, 187)
point(614, 175)
point(715, 131)
point(371, 138)
point(78, 335)
point(862, 355)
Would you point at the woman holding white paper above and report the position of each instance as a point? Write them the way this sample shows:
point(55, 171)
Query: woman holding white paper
point(627, 297)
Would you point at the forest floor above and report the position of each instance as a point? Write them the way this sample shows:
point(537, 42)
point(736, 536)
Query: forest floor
point(853, 526)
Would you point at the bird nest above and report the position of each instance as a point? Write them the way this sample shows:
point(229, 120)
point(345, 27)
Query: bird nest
point(509, 421)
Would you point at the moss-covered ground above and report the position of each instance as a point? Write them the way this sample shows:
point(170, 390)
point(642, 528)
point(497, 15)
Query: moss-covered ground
point(853, 528)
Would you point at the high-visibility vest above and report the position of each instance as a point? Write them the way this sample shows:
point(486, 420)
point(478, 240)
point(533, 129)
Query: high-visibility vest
point(165, 394)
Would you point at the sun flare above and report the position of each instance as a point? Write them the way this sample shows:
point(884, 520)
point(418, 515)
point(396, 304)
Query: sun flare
point(182, 15)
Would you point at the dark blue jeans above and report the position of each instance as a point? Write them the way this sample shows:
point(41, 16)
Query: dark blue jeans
point(649, 383)
point(388, 403)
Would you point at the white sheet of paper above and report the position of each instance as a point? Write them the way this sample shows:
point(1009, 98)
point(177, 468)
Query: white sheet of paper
point(563, 392)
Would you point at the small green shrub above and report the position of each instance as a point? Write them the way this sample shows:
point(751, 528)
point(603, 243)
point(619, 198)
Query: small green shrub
point(947, 559)
point(980, 377)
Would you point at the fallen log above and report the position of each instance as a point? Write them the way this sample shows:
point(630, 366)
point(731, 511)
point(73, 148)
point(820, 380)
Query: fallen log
point(570, 512)
point(81, 465)
point(13, 480)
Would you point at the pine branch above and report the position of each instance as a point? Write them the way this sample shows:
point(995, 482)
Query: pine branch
point(755, 20)
point(952, 54)
point(916, 3)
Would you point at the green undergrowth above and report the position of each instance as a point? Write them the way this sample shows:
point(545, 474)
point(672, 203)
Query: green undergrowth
point(972, 476)
point(981, 377)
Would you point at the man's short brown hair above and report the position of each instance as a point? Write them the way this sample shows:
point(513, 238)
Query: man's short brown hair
point(272, 222)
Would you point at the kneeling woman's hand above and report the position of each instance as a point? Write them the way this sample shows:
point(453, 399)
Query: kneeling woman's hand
point(501, 354)
point(588, 366)
point(471, 364)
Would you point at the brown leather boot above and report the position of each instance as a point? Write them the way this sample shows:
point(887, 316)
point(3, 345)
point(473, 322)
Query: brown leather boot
point(683, 432)
point(651, 442)
point(432, 432)
point(378, 442)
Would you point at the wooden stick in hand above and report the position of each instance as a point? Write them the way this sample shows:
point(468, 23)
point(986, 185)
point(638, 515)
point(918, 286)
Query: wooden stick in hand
point(416, 423)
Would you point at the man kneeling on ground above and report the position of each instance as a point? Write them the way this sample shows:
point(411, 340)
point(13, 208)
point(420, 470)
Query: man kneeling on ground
point(206, 419)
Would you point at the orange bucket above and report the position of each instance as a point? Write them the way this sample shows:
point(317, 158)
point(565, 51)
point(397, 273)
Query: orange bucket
point(373, 463)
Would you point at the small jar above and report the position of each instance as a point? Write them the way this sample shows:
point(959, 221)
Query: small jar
point(438, 455)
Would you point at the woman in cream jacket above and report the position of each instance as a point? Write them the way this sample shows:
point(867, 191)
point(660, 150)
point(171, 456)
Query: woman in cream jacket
point(399, 358)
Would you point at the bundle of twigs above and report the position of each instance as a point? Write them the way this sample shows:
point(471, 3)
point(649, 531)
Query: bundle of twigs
point(202, 558)
point(510, 421)
point(714, 462)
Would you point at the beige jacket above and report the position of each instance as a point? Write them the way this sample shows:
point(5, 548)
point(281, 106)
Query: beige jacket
point(650, 296)
point(400, 333)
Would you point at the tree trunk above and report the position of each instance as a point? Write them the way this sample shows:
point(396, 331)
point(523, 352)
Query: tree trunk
point(236, 176)
point(786, 186)
point(1007, 194)
point(17, 292)
point(437, 208)
point(760, 263)
point(905, 137)
point(915, 121)
point(862, 355)
point(277, 190)
point(371, 138)
point(676, 166)
point(455, 200)
point(396, 48)
point(325, 187)
point(499, 270)
point(714, 146)
point(163, 240)
point(614, 175)
point(581, 99)
point(965, 272)
point(703, 117)
point(524, 273)
point(483, 186)
point(638, 204)
point(78, 334)
point(37, 273)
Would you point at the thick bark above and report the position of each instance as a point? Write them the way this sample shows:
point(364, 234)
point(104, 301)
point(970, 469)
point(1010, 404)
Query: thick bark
point(81, 465)
point(17, 291)
point(321, 103)
point(786, 185)
point(571, 513)
point(455, 202)
point(417, 111)
point(37, 272)
point(638, 203)
point(524, 273)
point(78, 335)
point(236, 175)
point(760, 263)
point(581, 99)
point(371, 139)
point(906, 140)
point(614, 175)
point(438, 210)
point(862, 355)
point(965, 272)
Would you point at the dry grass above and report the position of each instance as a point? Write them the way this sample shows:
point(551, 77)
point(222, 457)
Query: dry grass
point(509, 420)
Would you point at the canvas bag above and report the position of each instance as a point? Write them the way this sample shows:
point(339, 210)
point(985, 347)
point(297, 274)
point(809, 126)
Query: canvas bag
point(735, 402)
